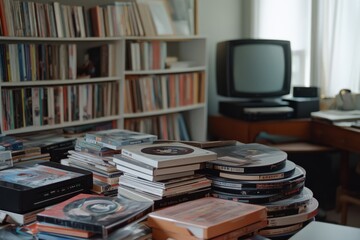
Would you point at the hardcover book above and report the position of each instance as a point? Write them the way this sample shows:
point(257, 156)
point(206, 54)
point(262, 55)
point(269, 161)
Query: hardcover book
point(168, 154)
point(117, 138)
point(93, 213)
point(206, 218)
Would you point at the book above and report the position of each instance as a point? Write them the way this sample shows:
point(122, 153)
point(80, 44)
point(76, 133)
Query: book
point(206, 217)
point(98, 214)
point(168, 154)
point(128, 163)
point(117, 138)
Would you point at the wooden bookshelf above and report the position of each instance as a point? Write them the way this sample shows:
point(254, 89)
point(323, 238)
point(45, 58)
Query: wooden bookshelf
point(69, 63)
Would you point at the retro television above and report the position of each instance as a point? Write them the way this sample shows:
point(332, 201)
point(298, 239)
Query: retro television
point(253, 70)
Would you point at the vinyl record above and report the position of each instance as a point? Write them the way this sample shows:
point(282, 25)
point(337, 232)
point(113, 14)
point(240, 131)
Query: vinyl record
point(256, 199)
point(248, 158)
point(167, 150)
point(281, 230)
point(227, 164)
point(297, 177)
point(311, 212)
point(254, 191)
point(286, 172)
point(291, 203)
point(269, 232)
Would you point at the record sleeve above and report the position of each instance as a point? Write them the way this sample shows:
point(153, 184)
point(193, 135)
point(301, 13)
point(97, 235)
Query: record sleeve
point(248, 158)
point(95, 213)
point(285, 172)
point(168, 154)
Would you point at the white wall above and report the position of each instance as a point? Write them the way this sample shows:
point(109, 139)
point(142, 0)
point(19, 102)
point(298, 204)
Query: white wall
point(218, 20)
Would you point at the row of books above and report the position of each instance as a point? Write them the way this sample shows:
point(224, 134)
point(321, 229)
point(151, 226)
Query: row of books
point(129, 18)
point(31, 62)
point(151, 93)
point(146, 55)
point(169, 126)
point(38, 106)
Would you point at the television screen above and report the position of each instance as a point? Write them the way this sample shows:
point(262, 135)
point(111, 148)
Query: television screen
point(253, 68)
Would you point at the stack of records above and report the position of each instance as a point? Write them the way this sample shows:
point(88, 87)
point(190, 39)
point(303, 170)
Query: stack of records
point(95, 153)
point(259, 174)
point(163, 173)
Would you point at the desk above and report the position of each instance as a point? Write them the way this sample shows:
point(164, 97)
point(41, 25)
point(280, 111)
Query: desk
point(328, 231)
point(342, 138)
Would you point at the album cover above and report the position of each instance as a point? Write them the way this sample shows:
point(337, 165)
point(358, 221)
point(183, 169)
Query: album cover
point(249, 158)
point(206, 217)
point(95, 213)
point(168, 154)
point(117, 138)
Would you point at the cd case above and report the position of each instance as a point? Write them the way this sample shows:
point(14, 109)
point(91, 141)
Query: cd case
point(31, 187)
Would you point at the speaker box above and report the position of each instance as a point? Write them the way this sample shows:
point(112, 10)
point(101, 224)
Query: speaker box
point(303, 106)
point(308, 92)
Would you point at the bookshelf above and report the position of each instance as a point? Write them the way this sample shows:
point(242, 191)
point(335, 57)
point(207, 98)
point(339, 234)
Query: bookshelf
point(106, 65)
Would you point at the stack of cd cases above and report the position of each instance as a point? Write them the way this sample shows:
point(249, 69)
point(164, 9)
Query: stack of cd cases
point(259, 174)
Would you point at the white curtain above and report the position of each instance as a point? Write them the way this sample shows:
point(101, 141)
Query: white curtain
point(331, 60)
point(336, 45)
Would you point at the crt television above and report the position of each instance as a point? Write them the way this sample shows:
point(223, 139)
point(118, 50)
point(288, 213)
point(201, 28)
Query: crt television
point(254, 69)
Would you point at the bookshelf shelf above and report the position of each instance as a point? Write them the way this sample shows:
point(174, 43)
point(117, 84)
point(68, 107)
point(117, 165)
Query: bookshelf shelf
point(54, 63)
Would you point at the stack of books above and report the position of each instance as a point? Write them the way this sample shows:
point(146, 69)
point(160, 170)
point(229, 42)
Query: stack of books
point(94, 152)
point(163, 173)
point(259, 174)
point(207, 218)
point(91, 216)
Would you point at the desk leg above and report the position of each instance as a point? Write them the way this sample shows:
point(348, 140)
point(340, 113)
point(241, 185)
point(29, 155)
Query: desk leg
point(344, 178)
point(344, 169)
